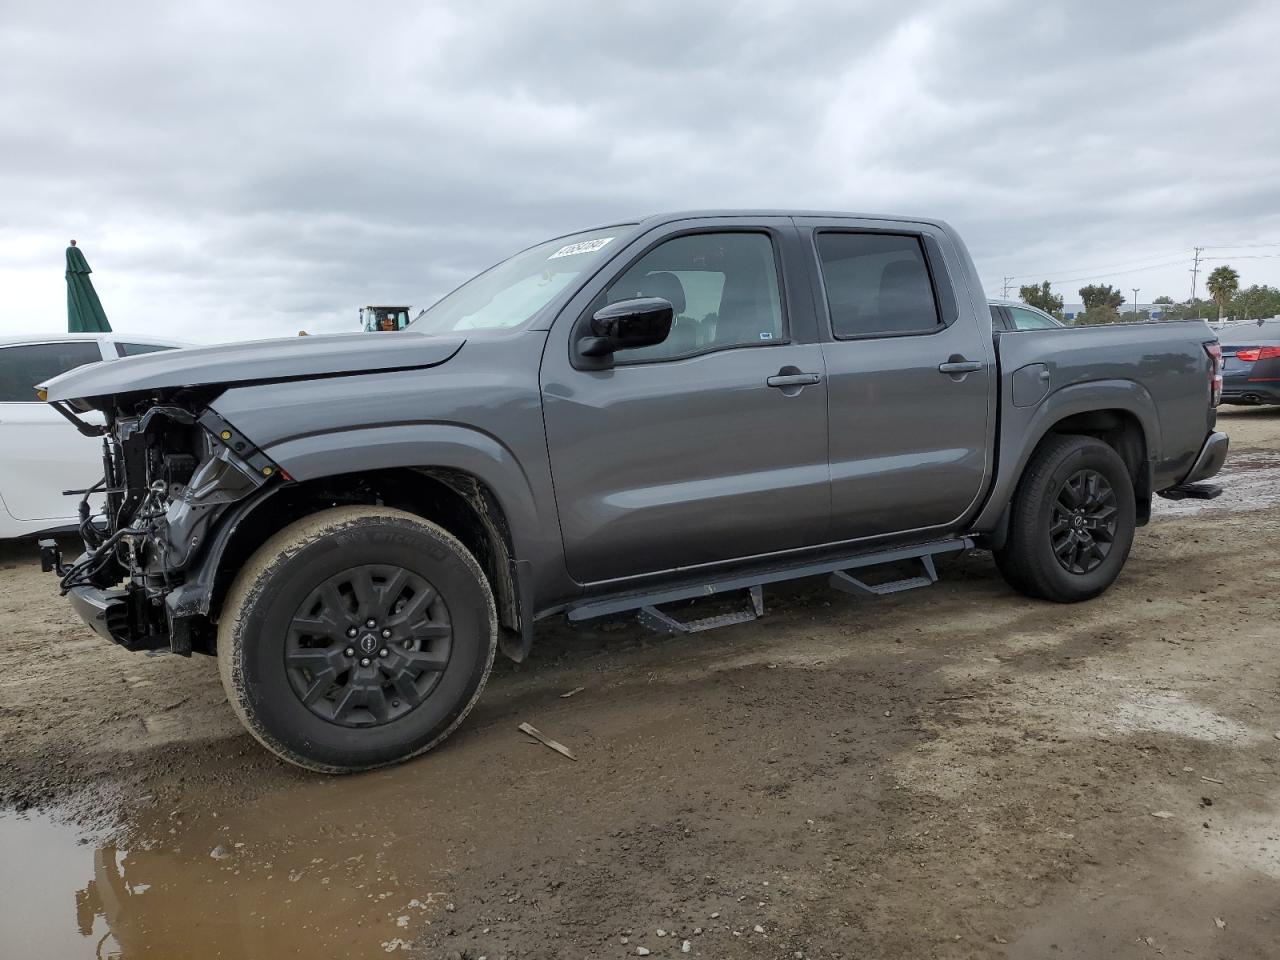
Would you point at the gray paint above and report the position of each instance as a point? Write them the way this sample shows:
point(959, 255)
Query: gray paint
point(1159, 373)
point(687, 462)
point(479, 413)
point(1031, 384)
point(255, 360)
point(1211, 458)
point(910, 446)
point(610, 479)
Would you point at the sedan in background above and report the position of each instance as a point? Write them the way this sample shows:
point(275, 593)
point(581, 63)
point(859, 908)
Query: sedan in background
point(1251, 362)
point(1016, 315)
point(39, 456)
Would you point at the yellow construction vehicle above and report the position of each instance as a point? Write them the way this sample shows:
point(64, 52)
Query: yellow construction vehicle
point(374, 319)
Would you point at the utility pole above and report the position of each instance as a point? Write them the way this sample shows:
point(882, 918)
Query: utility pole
point(1195, 269)
point(1135, 304)
point(1007, 281)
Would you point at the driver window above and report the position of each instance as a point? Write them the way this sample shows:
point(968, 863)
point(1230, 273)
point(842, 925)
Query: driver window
point(722, 286)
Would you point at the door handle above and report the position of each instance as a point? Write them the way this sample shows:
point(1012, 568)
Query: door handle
point(794, 380)
point(960, 366)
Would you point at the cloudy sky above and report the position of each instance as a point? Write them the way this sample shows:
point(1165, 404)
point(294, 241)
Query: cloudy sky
point(239, 170)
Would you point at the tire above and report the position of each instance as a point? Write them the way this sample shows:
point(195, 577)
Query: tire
point(1055, 537)
point(332, 701)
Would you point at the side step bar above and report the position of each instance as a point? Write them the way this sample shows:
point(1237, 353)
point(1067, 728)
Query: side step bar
point(1192, 491)
point(659, 621)
point(648, 603)
point(847, 582)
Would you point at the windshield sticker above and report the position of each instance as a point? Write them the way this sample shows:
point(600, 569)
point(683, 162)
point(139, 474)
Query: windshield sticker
point(586, 246)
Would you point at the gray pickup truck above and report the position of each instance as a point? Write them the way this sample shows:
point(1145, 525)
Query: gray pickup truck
point(623, 419)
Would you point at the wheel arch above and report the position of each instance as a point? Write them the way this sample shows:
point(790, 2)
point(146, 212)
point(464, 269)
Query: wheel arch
point(1121, 413)
point(460, 502)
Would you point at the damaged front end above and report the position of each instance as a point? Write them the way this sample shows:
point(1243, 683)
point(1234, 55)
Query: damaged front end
point(172, 467)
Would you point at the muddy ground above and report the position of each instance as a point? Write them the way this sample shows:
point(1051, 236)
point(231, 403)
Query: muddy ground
point(953, 773)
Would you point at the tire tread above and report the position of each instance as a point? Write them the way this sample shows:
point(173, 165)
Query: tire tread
point(256, 576)
point(1021, 560)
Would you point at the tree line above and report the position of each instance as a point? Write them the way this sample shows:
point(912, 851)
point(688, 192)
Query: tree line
point(1102, 302)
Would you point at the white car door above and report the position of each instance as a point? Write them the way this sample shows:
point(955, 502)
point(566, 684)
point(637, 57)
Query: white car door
point(41, 454)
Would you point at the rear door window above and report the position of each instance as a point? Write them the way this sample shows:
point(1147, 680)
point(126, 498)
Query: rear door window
point(877, 285)
point(22, 367)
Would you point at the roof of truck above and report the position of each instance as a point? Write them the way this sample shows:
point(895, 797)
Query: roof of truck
point(655, 219)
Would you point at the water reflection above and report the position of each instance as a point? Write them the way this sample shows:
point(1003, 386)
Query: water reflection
point(204, 889)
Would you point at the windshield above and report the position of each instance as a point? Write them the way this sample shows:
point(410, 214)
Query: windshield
point(511, 293)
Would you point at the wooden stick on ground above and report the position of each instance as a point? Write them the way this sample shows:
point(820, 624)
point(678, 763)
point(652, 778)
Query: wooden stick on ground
point(543, 738)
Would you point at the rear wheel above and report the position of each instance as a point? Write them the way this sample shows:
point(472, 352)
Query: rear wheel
point(356, 638)
point(1072, 521)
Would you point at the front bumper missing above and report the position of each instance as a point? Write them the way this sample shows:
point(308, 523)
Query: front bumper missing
point(110, 614)
point(105, 612)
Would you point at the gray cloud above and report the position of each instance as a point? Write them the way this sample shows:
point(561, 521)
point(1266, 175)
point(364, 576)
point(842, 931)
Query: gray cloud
point(239, 170)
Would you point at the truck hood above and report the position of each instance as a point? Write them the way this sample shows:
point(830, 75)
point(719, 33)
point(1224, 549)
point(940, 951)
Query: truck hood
point(255, 361)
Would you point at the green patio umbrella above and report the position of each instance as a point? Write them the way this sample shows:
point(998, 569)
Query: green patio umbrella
point(84, 309)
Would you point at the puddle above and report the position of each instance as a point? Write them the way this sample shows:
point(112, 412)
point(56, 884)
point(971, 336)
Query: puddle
point(1249, 481)
point(41, 863)
point(305, 872)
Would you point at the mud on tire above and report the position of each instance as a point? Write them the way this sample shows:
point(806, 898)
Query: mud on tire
point(355, 638)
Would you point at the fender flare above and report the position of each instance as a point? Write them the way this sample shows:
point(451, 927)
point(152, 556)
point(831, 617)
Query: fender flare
point(423, 446)
point(1021, 433)
point(435, 445)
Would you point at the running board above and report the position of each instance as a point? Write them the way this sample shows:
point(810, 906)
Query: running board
point(648, 603)
point(660, 621)
point(848, 583)
point(1192, 491)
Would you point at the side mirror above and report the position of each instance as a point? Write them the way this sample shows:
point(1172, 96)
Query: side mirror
point(628, 324)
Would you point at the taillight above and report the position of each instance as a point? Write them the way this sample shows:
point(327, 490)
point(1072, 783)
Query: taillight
point(1254, 354)
point(1215, 372)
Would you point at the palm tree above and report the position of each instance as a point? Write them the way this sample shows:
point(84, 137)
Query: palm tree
point(1223, 284)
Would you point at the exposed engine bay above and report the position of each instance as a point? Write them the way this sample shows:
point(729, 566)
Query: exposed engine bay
point(171, 466)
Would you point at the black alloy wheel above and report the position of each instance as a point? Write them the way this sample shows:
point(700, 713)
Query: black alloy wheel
point(1083, 528)
point(356, 637)
point(1071, 520)
point(368, 645)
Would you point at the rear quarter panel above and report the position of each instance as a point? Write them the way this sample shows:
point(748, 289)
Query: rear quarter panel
point(1157, 372)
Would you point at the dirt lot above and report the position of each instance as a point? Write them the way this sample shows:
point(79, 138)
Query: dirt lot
point(954, 773)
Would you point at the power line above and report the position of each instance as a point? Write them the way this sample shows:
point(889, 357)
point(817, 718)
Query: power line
point(1239, 246)
point(1105, 273)
point(1094, 271)
point(1119, 273)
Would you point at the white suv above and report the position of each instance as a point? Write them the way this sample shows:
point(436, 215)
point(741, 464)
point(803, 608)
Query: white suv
point(41, 454)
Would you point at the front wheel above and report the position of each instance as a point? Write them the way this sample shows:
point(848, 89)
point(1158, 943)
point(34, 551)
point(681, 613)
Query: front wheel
point(355, 638)
point(1072, 521)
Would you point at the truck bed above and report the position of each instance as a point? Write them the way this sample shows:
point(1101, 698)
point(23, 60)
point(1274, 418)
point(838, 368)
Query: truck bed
point(1151, 363)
